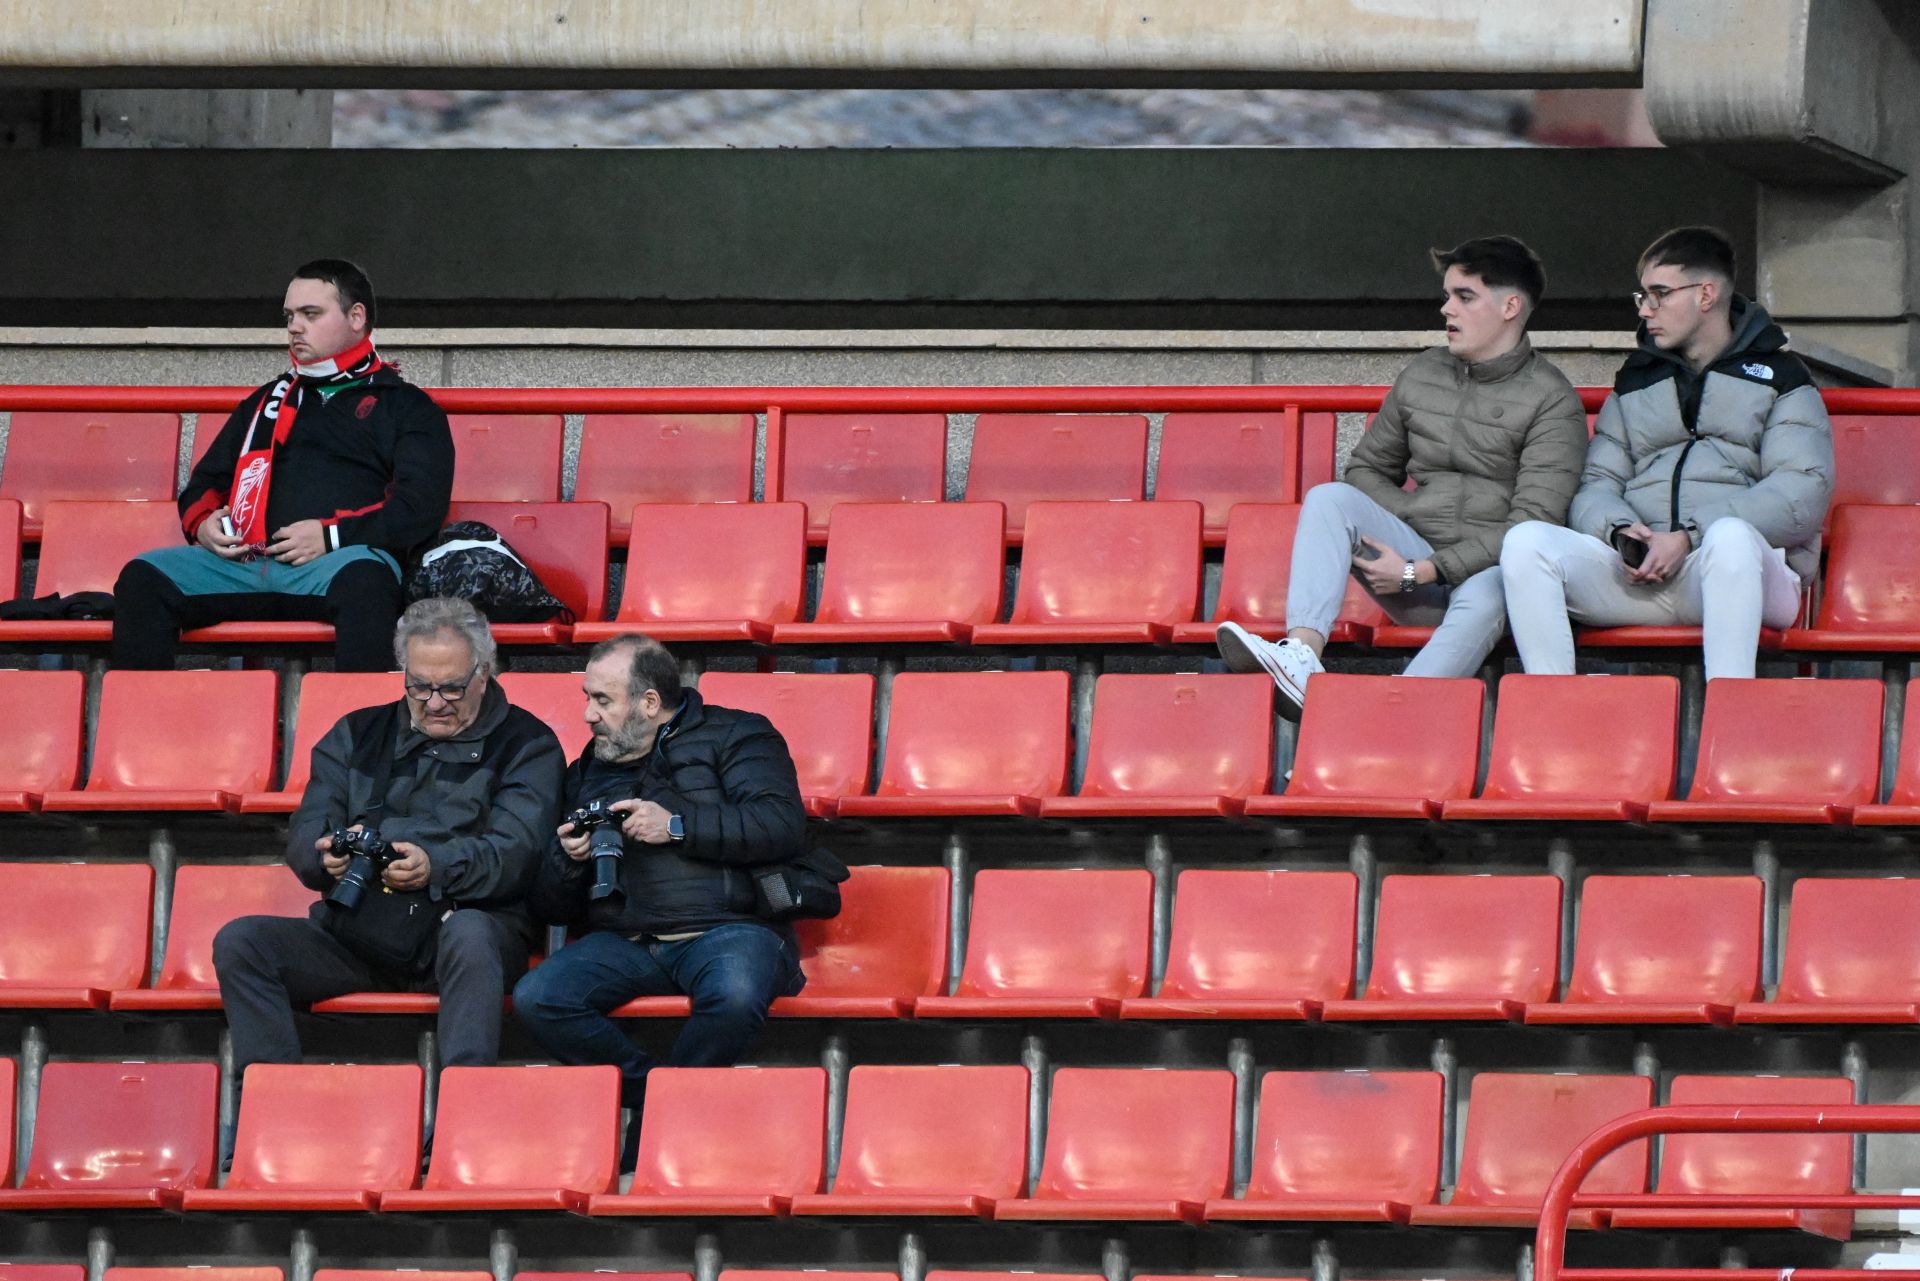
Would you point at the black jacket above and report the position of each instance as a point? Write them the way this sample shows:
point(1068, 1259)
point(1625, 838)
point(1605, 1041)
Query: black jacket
point(729, 776)
point(374, 462)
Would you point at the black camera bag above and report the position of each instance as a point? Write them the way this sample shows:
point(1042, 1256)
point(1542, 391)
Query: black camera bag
point(805, 888)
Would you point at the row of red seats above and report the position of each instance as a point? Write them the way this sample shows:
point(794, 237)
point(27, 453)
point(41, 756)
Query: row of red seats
point(1244, 944)
point(1217, 459)
point(1121, 1144)
point(203, 1272)
point(999, 743)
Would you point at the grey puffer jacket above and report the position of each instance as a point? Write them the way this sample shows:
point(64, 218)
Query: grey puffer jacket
point(1746, 437)
point(1489, 445)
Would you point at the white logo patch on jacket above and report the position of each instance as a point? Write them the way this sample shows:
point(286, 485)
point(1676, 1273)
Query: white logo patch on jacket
point(1758, 371)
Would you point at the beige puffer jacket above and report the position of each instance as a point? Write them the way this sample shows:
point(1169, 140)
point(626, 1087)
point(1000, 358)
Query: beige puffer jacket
point(1488, 445)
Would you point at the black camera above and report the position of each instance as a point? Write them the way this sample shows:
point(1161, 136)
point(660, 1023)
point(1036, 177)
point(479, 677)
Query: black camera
point(368, 855)
point(602, 827)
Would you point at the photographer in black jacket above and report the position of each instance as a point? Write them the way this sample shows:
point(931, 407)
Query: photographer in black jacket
point(703, 794)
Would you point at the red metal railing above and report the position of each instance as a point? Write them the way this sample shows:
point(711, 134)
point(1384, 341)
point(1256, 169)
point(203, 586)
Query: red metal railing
point(1550, 1240)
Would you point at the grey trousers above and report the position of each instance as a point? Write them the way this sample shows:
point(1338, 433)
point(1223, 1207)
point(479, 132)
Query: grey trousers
point(1468, 618)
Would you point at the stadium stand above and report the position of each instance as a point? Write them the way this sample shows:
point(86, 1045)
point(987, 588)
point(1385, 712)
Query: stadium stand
point(54, 957)
point(629, 460)
point(1021, 459)
point(506, 458)
point(711, 572)
point(119, 1136)
point(59, 457)
point(831, 459)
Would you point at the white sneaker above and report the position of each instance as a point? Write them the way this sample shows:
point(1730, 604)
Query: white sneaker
point(1290, 663)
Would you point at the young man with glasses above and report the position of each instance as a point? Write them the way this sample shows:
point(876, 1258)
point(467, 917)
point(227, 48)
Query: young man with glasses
point(1706, 484)
point(464, 788)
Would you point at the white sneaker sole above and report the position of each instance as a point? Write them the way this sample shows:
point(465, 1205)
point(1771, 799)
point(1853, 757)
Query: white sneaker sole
point(1236, 651)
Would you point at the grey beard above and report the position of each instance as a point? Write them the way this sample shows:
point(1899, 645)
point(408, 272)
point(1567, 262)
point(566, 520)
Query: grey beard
point(623, 744)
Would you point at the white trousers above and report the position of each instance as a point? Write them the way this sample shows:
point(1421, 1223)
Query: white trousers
point(1728, 587)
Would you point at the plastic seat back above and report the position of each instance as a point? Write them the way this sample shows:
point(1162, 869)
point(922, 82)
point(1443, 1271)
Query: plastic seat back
point(1818, 1164)
point(1228, 940)
point(1259, 565)
point(1348, 1135)
point(862, 458)
point(1668, 938)
point(976, 733)
point(185, 730)
point(1545, 747)
point(1876, 459)
point(826, 718)
point(1871, 583)
point(630, 459)
point(890, 938)
point(506, 458)
point(564, 544)
point(877, 569)
point(1020, 459)
point(1392, 736)
point(526, 1127)
point(733, 1131)
point(697, 562)
point(84, 545)
point(54, 456)
point(1831, 755)
point(328, 1126)
point(556, 698)
point(201, 1272)
point(402, 1274)
point(1468, 937)
point(325, 697)
point(58, 1272)
point(75, 925)
point(7, 1073)
point(926, 1131)
point(1017, 948)
point(9, 548)
point(1852, 939)
point(1109, 563)
point(1222, 459)
point(205, 897)
point(124, 1125)
point(1180, 736)
point(1138, 1133)
point(44, 717)
point(1522, 1125)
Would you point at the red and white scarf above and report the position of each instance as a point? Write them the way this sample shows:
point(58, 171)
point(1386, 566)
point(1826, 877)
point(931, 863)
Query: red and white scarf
point(253, 474)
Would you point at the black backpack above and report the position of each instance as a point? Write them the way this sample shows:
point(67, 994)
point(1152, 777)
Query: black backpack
point(470, 560)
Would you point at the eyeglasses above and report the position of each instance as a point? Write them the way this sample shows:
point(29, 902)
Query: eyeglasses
point(423, 691)
point(1654, 296)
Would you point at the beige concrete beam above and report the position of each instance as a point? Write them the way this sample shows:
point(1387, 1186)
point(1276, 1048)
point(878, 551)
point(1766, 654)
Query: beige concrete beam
point(341, 42)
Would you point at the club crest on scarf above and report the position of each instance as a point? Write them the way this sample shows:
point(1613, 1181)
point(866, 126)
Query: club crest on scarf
point(253, 474)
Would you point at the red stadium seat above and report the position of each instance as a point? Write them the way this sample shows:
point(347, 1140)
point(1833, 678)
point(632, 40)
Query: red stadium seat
point(630, 459)
point(1736, 1164)
point(202, 1272)
point(519, 1138)
point(1870, 600)
point(971, 743)
point(565, 544)
point(879, 587)
point(1021, 961)
point(1254, 578)
point(1381, 747)
point(1852, 954)
point(421, 1274)
point(1229, 959)
point(819, 1274)
point(1662, 949)
point(112, 1136)
point(9, 548)
point(315, 1137)
point(1020, 459)
point(929, 1141)
point(1221, 459)
point(44, 736)
point(827, 720)
point(206, 897)
point(88, 456)
point(83, 546)
point(325, 697)
point(1903, 804)
point(1549, 764)
point(710, 572)
point(7, 1073)
point(178, 741)
point(1520, 1127)
point(58, 1272)
point(1342, 1147)
point(598, 1276)
point(1103, 574)
point(556, 698)
point(1748, 771)
point(862, 458)
point(1876, 459)
point(54, 957)
point(506, 458)
point(726, 1142)
point(1174, 745)
point(1132, 1144)
point(1460, 947)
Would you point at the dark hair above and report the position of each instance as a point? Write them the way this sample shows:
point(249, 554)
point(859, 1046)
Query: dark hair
point(1692, 249)
point(1501, 261)
point(347, 280)
point(651, 666)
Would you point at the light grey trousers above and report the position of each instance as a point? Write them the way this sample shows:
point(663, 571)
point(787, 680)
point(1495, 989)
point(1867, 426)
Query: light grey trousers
point(1468, 619)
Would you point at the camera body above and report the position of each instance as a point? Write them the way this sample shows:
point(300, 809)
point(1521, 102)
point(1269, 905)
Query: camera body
point(607, 845)
point(368, 855)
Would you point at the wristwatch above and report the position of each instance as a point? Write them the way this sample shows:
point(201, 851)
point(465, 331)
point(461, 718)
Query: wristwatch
point(676, 828)
point(1409, 579)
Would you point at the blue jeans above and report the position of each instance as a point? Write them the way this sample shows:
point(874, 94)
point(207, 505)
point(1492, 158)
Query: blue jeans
point(732, 973)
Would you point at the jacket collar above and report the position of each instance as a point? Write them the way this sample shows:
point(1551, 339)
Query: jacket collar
point(1501, 367)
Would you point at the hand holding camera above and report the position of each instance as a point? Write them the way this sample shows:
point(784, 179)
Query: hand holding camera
point(367, 855)
point(599, 821)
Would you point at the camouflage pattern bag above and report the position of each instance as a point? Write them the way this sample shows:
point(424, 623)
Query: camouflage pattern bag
point(470, 560)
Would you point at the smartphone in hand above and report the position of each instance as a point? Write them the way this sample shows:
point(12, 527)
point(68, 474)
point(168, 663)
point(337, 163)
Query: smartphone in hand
point(1633, 551)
